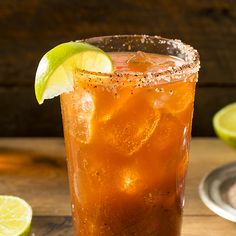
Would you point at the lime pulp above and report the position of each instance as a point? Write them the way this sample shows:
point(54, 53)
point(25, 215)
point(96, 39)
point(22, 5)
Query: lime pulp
point(15, 216)
point(224, 123)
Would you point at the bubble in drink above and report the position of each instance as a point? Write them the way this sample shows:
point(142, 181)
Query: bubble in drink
point(130, 180)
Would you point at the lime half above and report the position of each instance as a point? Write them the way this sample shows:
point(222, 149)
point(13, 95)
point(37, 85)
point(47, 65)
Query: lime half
point(15, 216)
point(224, 123)
point(54, 74)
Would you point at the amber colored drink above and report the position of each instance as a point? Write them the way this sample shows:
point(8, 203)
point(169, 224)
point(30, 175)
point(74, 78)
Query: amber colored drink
point(127, 141)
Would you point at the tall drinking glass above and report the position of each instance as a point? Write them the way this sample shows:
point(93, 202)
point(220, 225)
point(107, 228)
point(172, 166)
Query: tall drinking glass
point(127, 140)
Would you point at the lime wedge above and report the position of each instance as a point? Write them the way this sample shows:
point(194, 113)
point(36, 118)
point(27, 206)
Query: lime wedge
point(224, 123)
point(54, 74)
point(15, 216)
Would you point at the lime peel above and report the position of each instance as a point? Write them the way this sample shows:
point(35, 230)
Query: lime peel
point(54, 74)
point(224, 123)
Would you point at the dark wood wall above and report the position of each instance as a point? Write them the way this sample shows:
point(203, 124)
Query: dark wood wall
point(29, 28)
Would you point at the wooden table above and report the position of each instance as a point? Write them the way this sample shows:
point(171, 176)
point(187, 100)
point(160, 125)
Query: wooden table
point(35, 169)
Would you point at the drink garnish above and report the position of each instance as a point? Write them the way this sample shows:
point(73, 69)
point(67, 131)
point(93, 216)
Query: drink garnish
point(224, 123)
point(54, 74)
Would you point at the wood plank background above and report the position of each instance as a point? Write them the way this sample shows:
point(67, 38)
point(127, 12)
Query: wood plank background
point(29, 28)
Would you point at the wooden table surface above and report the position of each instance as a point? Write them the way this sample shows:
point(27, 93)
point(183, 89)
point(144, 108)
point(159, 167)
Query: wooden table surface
point(35, 169)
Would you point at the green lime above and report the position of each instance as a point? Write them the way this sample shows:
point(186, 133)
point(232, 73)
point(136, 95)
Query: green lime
point(224, 123)
point(15, 216)
point(54, 74)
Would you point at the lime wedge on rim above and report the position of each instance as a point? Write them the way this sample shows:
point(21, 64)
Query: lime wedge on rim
point(15, 216)
point(224, 123)
point(54, 74)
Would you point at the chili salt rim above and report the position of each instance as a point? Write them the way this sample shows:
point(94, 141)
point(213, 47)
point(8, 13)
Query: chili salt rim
point(190, 66)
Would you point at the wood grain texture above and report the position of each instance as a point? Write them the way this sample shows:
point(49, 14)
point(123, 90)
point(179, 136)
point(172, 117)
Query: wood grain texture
point(52, 226)
point(35, 169)
point(29, 28)
point(192, 226)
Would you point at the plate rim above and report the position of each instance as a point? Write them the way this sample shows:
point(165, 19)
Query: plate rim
point(209, 203)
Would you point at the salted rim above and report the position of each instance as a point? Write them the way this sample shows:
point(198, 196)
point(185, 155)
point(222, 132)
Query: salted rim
point(190, 66)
